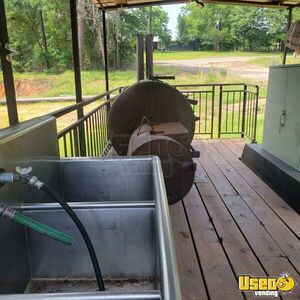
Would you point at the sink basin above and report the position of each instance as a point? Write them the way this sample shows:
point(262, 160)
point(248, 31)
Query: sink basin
point(123, 206)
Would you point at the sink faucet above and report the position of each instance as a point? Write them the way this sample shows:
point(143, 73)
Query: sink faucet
point(22, 176)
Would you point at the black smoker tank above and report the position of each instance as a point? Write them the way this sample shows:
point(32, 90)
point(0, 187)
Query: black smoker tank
point(153, 118)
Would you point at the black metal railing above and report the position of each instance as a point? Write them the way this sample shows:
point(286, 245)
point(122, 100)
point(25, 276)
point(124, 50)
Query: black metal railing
point(86, 136)
point(224, 109)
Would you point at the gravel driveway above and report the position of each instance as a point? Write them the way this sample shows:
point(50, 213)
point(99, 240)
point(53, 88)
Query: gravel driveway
point(237, 66)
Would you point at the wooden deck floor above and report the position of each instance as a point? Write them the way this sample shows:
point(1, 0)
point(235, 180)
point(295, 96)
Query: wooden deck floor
point(231, 223)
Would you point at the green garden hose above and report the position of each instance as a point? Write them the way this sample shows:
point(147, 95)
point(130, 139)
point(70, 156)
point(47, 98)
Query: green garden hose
point(19, 218)
point(23, 176)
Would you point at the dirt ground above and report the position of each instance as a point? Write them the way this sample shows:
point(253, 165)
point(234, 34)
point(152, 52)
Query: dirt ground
point(236, 66)
point(25, 87)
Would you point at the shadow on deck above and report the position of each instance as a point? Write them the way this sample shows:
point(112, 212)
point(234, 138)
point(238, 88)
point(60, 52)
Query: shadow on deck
point(231, 223)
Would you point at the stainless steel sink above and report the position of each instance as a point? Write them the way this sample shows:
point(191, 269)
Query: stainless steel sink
point(123, 205)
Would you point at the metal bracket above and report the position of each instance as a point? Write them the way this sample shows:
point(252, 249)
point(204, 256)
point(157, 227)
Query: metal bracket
point(8, 51)
point(161, 77)
point(195, 154)
point(193, 102)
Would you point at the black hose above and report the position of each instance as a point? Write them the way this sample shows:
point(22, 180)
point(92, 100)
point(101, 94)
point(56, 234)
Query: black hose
point(48, 190)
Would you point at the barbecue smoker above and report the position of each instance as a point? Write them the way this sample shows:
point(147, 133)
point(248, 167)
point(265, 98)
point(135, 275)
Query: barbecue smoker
point(153, 118)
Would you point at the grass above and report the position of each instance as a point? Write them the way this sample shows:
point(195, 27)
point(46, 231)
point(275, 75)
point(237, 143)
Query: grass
point(93, 82)
point(276, 60)
point(62, 84)
point(170, 55)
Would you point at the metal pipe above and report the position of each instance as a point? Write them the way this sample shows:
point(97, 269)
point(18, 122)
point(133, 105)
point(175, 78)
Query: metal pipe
point(7, 70)
point(77, 75)
point(140, 57)
point(290, 15)
point(149, 55)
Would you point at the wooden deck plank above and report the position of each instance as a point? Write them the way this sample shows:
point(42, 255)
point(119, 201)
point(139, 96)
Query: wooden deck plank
point(266, 249)
point(236, 149)
point(280, 232)
point(281, 208)
point(238, 251)
point(236, 246)
point(231, 223)
point(240, 143)
point(219, 277)
point(191, 280)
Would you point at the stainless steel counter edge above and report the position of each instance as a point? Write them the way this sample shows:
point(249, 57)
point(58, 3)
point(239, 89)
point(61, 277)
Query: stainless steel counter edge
point(149, 295)
point(168, 262)
point(85, 205)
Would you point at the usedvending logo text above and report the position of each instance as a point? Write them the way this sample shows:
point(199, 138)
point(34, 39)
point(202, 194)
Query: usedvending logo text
point(267, 286)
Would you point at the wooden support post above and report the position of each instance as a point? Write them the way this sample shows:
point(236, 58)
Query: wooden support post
point(7, 70)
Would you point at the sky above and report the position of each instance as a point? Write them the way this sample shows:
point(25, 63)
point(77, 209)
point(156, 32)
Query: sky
point(173, 11)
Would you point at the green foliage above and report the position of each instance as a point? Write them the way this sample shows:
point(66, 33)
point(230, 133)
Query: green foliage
point(25, 33)
point(214, 27)
point(223, 27)
point(223, 72)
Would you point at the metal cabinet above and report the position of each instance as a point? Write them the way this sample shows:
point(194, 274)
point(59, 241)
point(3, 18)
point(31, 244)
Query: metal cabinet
point(282, 119)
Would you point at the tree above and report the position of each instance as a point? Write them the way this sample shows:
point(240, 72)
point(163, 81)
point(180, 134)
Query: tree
point(209, 26)
point(26, 34)
point(221, 27)
point(81, 29)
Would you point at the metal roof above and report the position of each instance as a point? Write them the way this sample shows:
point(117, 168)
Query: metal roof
point(113, 4)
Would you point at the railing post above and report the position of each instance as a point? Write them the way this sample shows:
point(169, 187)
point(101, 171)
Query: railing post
point(244, 111)
point(220, 111)
point(212, 111)
point(255, 115)
point(77, 75)
point(7, 70)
